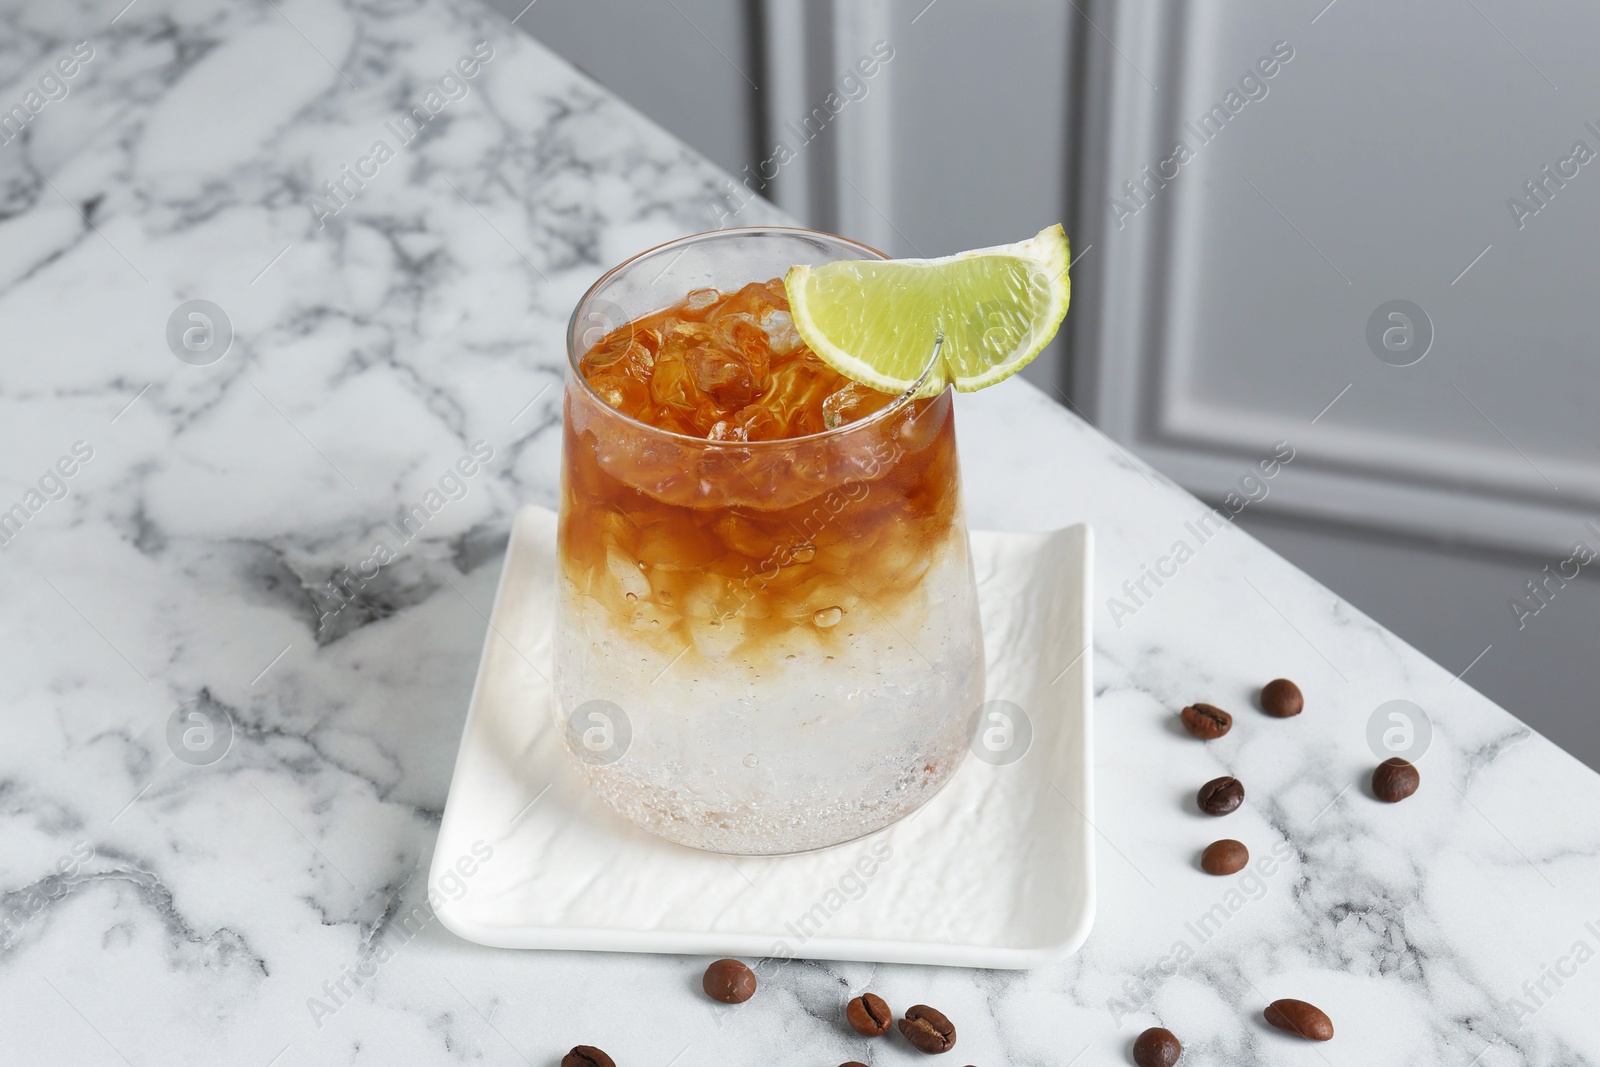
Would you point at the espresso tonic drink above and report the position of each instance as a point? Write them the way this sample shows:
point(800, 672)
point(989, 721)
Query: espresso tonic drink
point(767, 636)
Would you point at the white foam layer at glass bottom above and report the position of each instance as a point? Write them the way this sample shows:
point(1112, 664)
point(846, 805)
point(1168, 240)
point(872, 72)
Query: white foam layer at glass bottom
point(809, 742)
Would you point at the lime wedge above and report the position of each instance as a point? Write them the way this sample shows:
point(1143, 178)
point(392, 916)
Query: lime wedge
point(876, 321)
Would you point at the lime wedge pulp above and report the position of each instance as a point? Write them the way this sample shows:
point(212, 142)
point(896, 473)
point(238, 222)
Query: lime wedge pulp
point(876, 321)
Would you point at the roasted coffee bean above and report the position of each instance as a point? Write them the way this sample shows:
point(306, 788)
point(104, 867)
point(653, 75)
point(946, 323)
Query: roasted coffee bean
point(1394, 780)
point(587, 1056)
point(1206, 721)
point(1224, 857)
point(1220, 795)
point(869, 1015)
point(1301, 1019)
point(927, 1029)
point(1156, 1047)
point(729, 981)
point(1281, 698)
point(853, 1063)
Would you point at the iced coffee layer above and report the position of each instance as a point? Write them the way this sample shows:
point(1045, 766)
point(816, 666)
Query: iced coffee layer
point(763, 494)
point(680, 556)
point(725, 367)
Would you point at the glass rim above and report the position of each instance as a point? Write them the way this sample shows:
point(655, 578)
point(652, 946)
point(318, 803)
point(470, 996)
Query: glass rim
point(888, 411)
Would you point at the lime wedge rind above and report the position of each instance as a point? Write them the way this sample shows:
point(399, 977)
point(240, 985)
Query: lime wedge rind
point(875, 320)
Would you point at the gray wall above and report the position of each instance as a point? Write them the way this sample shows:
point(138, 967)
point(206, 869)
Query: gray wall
point(975, 102)
point(691, 65)
point(1232, 309)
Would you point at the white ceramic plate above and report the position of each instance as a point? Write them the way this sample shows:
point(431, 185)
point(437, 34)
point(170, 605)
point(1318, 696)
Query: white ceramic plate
point(996, 871)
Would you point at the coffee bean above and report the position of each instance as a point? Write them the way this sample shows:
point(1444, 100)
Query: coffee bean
point(1224, 857)
point(729, 981)
point(1394, 780)
point(853, 1063)
point(1220, 795)
point(1156, 1047)
point(1281, 698)
point(927, 1029)
point(1299, 1018)
point(587, 1056)
point(1206, 721)
point(869, 1015)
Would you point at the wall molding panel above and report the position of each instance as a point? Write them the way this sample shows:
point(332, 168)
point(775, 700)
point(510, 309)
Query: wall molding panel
point(1137, 361)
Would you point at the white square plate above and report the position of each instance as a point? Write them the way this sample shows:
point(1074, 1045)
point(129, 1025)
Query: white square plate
point(996, 871)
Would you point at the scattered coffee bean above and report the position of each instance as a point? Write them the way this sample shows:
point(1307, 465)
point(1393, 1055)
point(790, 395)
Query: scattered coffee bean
point(1394, 780)
point(1206, 721)
point(927, 1029)
point(1299, 1018)
point(1281, 698)
point(587, 1056)
point(1156, 1047)
point(853, 1063)
point(1224, 857)
point(729, 981)
point(869, 1015)
point(1220, 795)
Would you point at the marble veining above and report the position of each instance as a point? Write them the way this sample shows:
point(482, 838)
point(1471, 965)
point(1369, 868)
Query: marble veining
point(215, 548)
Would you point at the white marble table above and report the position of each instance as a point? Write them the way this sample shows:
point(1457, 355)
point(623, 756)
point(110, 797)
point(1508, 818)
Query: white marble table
point(158, 912)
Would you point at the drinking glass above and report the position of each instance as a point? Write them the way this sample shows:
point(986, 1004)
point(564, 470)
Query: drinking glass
point(762, 647)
